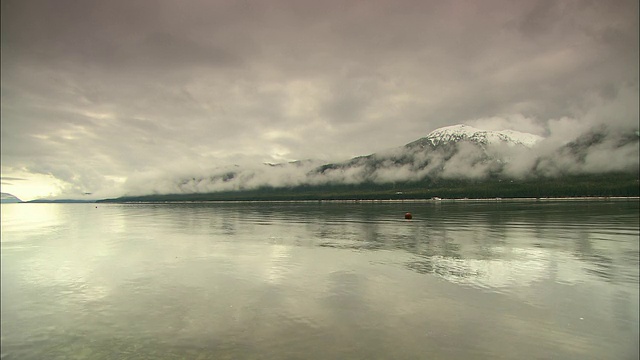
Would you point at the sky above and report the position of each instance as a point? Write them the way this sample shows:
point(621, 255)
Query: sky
point(101, 97)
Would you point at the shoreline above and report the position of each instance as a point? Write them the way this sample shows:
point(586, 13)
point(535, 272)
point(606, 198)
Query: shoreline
point(355, 201)
point(432, 200)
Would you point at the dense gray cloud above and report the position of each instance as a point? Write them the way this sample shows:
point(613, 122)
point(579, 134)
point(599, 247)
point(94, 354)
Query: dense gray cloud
point(99, 94)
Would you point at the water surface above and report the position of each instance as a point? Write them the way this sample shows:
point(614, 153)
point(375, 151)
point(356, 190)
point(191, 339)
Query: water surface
point(462, 280)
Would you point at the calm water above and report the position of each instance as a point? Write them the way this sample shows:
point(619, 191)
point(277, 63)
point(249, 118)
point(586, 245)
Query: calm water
point(464, 280)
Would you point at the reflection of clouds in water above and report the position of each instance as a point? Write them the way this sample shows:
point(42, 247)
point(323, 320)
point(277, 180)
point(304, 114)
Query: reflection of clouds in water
point(68, 285)
point(31, 218)
point(275, 283)
point(529, 266)
point(517, 268)
point(279, 263)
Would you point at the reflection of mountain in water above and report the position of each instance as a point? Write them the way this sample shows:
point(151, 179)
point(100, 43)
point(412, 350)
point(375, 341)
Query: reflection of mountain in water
point(481, 244)
point(493, 245)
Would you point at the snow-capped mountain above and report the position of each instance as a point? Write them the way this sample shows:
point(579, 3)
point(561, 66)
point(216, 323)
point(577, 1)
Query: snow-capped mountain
point(452, 151)
point(458, 151)
point(457, 133)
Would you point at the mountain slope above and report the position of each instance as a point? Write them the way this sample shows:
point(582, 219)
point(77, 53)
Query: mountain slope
point(458, 151)
point(6, 198)
point(600, 150)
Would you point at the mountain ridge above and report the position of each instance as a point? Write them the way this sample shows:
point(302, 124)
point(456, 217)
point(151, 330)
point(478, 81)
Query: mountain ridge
point(455, 133)
point(432, 155)
point(7, 198)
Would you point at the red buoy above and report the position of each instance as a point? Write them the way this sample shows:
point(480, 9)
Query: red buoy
point(408, 216)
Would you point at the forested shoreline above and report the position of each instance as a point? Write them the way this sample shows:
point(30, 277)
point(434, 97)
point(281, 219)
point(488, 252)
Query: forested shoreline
point(609, 185)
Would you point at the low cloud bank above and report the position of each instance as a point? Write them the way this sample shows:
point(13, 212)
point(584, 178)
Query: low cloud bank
point(599, 150)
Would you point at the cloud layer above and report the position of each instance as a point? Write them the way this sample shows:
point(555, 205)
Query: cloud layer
point(97, 93)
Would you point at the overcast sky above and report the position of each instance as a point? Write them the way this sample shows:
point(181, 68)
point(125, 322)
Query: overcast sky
point(94, 92)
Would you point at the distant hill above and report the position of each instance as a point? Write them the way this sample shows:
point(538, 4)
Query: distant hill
point(59, 201)
point(6, 198)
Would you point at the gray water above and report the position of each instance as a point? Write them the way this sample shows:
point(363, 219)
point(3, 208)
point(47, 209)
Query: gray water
point(461, 280)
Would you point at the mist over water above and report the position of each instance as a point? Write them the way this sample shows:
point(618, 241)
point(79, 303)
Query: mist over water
point(318, 280)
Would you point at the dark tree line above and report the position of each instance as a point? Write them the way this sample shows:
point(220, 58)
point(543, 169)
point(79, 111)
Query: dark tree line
point(611, 185)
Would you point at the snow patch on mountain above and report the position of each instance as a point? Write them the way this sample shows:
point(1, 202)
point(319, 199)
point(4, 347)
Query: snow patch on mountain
point(456, 133)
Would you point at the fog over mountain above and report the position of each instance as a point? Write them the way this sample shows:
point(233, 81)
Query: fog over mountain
point(452, 152)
